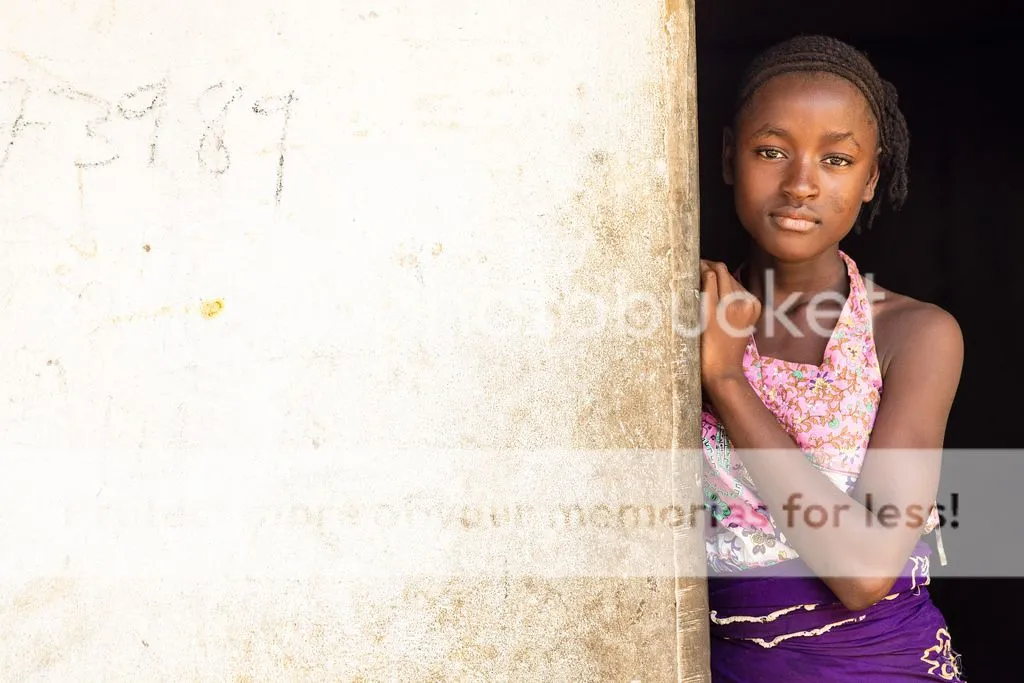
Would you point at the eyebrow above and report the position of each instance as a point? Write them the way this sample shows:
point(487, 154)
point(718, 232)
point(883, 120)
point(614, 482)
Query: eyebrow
point(840, 136)
point(833, 136)
point(769, 131)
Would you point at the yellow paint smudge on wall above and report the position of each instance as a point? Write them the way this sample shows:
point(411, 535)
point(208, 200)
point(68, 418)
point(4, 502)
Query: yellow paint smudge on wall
point(212, 308)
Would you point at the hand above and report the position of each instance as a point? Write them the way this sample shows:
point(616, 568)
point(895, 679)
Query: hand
point(730, 313)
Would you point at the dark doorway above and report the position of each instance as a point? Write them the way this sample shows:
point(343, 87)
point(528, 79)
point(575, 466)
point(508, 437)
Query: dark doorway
point(957, 242)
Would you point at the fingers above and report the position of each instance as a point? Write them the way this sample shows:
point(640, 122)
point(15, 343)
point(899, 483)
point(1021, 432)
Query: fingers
point(708, 278)
point(726, 283)
point(716, 279)
point(720, 287)
point(716, 267)
point(722, 277)
point(708, 292)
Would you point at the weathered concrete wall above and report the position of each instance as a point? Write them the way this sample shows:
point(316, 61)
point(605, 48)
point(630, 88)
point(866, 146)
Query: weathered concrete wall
point(272, 266)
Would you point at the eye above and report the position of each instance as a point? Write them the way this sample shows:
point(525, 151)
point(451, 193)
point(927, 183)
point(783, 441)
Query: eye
point(769, 153)
point(838, 161)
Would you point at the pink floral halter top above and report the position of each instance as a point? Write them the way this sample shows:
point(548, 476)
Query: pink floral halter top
point(828, 409)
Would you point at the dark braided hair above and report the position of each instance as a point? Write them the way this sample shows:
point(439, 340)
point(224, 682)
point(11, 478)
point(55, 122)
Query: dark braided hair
point(822, 54)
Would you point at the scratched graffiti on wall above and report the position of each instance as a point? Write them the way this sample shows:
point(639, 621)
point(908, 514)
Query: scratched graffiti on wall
point(29, 110)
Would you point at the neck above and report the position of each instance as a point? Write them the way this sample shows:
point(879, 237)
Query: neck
point(825, 272)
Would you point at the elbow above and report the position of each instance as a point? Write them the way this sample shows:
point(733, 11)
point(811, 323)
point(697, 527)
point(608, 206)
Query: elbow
point(863, 593)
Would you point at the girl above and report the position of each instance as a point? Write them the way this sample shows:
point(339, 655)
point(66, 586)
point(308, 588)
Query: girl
point(827, 398)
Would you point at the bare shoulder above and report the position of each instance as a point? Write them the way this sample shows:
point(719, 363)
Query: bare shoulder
point(906, 326)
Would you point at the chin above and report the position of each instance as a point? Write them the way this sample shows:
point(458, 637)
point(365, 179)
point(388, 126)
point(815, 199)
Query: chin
point(790, 246)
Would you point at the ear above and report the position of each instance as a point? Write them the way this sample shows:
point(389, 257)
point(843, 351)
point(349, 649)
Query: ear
point(728, 155)
point(869, 189)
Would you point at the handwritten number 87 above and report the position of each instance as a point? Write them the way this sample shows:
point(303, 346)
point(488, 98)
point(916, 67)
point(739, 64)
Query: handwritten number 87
point(213, 153)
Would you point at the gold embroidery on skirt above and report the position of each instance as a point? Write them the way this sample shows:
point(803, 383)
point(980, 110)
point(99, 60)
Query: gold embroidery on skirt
point(803, 634)
point(945, 663)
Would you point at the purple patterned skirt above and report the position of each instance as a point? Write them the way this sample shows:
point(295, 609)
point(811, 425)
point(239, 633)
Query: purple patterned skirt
point(780, 624)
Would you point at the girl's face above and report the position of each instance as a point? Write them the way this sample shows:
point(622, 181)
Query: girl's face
point(802, 160)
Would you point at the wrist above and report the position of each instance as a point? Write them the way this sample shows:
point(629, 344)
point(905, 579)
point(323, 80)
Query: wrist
point(722, 384)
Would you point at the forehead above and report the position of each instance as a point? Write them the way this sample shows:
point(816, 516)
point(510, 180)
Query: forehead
point(808, 100)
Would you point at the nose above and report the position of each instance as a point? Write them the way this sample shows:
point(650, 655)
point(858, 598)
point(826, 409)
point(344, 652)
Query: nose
point(800, 182)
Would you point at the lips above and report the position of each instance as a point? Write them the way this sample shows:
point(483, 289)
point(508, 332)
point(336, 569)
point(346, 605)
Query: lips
point(794, 221)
